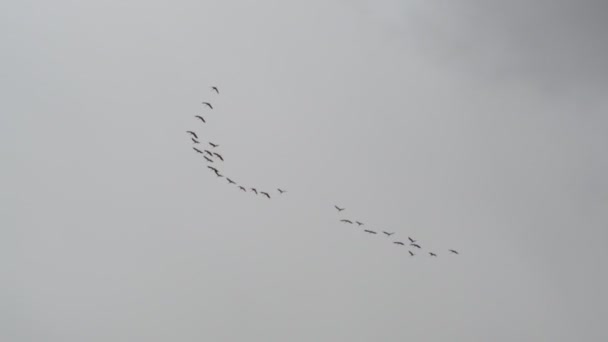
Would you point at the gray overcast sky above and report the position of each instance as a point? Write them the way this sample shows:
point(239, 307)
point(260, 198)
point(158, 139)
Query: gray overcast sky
point(475, 125)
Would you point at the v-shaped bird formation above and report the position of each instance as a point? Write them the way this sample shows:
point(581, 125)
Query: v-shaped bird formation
point(215, 159)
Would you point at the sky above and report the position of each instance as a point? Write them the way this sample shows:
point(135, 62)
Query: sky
point(471, 125)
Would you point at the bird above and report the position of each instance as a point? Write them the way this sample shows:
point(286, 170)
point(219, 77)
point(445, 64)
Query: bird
point(265, 194)
point(411, 240)
point(193, 134)
point(282, 191)
point(208, 104)
point(218, 174)
point(399, 243)
point(212, 168)
point(347, 221)
point(209, 153)
point(388, 234)
point(207, 159)
point(200, 117)
point(415, 245)
point(215, 89)
point(370, 231)
point(254, 190)
point(213, 145)
point(339, 209)
point(242, 188)
point(219, 156)
point(453, 251)
point(230, 181)
point(195, 141)
point(359, 223)
point(197, 150)
point(432, 254)
point(412, 254)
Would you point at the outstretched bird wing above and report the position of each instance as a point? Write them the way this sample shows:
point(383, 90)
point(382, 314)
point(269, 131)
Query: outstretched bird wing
point(265, 194)
point(412, 254)
point(415, 245)
point(193, 134)
point(207, 159)
point(399, 243)
point(370, 231)
point(453, 251)
point(347, 221)
point(215, 89)
point(208, 104)
point(200, 117)
point(219, 156)
point(197, 150)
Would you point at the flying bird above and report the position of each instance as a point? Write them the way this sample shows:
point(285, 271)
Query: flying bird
point(215, 89)
point(453, 251)
point(359, 223)
point(412, 254)
point(195, 141)
point(219, 156)
point(197, 150)
point(432, 254)
point(415, 245)
point(399, 243)
point(265, 194)
point(347, 221)
point(339, 209)
point(209, 153)
point(193, 134)
point(242, 188)
point(200, 117)
point(230, 181)
point(213, 145)
point(208, 104)
point(212, 168)
point(254, 190)
point(207, 159)
point(218, 174)
point(388, 234)
point(282, 191)
point(370, 231)
point(411, 240)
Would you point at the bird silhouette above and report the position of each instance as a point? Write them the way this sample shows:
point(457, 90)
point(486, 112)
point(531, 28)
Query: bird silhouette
point(209, 153)
point(415, 245)
point(208, 104)
point(339, 209)
point(399, 243)
point(213, 145)
point(370, 231)
point(432, 254)
point(200, 117)
point(453, 251)
point(230, 181)
point(347, 221)
point(197, 150)
point(215, 89)
point(193, 134)
point(207, 159)
point(242, 188)
point(265, 194)
point(388, 234)
point(282, 191)
point(254, 190)
point(412, 254)
point(195, 141)
point(359, 223)
point(218, 174)
point(212, 168)
point(411, 240)
point(219, 156)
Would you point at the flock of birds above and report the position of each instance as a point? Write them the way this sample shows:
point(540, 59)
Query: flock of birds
point(411, 243)
point(214, 158)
